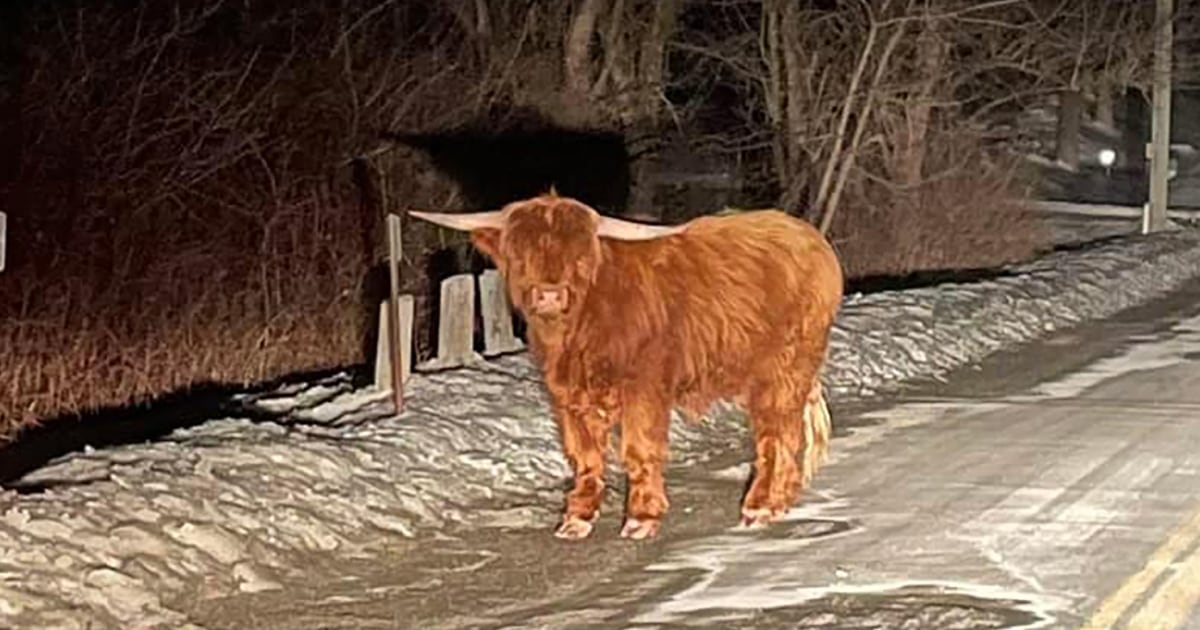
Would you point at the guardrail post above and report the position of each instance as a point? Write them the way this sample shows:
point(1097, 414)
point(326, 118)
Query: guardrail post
point(385, 355)
point(456, 325)
point(498, 335)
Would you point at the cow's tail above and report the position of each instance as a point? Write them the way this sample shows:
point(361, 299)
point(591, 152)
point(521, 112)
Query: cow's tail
point(817, 426)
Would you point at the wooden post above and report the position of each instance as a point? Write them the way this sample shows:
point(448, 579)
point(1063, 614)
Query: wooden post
point(3, 239)
point(1160, 130)
point(384, 356)
point(394, 345)
point(498, 335)
point(456, 328)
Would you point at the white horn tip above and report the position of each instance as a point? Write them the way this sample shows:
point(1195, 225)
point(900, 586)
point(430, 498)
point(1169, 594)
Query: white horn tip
point(461, 221)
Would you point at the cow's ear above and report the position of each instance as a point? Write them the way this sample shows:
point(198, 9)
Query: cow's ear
point(487, 240)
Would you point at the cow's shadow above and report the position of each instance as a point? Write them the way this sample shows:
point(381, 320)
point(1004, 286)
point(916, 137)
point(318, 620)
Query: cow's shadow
point(516, 153)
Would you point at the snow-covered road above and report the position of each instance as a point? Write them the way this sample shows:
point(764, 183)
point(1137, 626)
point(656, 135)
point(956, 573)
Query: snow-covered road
point(1072, 502)
point(115, 538)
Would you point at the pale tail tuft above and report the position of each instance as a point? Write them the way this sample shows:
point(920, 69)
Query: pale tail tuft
point(817, 427)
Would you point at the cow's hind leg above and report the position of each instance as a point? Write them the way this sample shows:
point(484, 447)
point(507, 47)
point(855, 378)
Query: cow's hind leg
point(645, 421)
point(789, 418)
point(776, 442)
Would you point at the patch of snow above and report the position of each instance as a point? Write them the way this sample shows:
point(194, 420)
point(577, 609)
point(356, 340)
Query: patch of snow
point(710, 559)
point(737, 472)
point(1047, 162)
point(230, 505)
point(759, 597)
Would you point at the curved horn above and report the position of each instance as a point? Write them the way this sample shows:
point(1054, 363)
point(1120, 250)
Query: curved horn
point(623, 230)
point(466, 221)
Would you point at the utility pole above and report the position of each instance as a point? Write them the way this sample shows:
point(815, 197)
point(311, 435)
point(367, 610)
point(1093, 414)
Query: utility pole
point(1155, 218)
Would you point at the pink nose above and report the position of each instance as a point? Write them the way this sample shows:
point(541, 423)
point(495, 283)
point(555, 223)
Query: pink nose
point(549, 300)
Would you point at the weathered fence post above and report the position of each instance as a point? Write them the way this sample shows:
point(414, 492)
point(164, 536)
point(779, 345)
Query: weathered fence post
point(456, 329)
point(385, 357)
point(3, 238)
point(395, 346)
point(498, 335)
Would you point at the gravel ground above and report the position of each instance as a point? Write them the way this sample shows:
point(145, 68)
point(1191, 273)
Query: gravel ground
point(112, 538)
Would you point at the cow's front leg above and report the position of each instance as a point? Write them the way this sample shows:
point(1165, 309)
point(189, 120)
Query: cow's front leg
point(644, 432)
point(585, 442)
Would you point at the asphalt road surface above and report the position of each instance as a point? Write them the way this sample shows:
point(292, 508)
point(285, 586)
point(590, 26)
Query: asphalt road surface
point(1054, 486)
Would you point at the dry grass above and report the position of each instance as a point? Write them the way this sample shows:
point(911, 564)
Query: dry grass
point(193, 311)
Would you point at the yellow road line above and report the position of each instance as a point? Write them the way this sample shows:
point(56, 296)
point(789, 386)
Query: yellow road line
point(1181, 588)
point(1170, 606)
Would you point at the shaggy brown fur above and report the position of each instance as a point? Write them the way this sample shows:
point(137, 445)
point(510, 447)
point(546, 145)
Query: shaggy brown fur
point(734, 307)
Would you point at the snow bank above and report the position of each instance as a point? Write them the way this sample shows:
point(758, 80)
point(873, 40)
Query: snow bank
point(123, 537)
point(236, 505)
point(888, 337)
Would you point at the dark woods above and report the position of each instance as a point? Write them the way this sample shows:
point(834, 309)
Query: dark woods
point(196, 189)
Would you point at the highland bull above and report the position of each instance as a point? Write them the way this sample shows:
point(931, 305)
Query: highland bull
point(627, 321)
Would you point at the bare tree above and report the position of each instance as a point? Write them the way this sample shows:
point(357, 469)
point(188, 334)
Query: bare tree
point(577, 56)
point(631, 80)
point(855, 91)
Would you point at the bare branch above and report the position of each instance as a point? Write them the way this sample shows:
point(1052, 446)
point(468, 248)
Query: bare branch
point(864, 113)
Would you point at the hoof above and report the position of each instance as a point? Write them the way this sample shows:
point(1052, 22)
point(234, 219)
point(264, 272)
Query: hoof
point(759, 518)
point(640, 530)
point(573, 528)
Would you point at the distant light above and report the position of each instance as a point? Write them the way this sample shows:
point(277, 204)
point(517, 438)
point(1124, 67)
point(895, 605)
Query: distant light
point(1107, 157)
